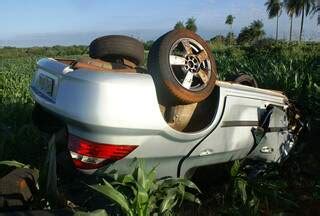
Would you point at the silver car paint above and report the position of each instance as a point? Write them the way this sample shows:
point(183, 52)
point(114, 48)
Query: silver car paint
point(122, 108)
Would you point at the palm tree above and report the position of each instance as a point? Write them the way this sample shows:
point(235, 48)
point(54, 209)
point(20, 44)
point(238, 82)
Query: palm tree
point(274, 9)
point(229, 21)
point(303, 8)
point(257, 29)
point(290, 8)
point(317, 9)
point(251, 33)
point(191, 24)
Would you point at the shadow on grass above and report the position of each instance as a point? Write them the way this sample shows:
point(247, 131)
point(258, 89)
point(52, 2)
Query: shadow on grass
point(19, 139)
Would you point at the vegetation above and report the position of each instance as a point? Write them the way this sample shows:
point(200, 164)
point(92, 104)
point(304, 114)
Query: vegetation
point(229, 21)
point(19, 139)
point(230, 38)
point(290, 12)
point(147, 45)
point(274, 8)
point(251, 33)
point(190, 24)
point(141, 194)
point(301, 8)
point(179, 25)
point(292, 68)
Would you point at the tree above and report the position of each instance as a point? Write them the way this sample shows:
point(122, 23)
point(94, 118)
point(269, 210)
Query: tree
point(274, 9)
point(251, 33)
point(290, 8)
point(218, 39)
point(230, 38)
point(317, 9)
point(303, 8)
point(179, 25)
point(191, 24)
point(148, 44)
point(257, 29)
point(229, 21)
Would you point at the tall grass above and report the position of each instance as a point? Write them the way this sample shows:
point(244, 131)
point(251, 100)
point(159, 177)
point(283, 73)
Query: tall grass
point(292, 68)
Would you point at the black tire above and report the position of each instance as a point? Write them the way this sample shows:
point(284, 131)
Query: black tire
point(244, 79)
point(113, 47)
point(169, 90)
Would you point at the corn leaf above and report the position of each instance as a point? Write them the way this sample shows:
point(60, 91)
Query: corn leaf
point(191, 198)
point(168, 202)
point(108, 190)
point(14, 164)
point(235, 169)
point(98, 212)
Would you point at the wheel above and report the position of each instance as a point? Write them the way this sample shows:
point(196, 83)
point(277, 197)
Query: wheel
point(115, 47)
point(183, 68)
point(244, 79)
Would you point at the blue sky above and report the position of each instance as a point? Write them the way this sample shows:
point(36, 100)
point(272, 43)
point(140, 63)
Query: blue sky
point(49, 22)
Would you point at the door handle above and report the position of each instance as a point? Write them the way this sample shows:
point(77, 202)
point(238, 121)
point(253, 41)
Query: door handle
point(206, 152)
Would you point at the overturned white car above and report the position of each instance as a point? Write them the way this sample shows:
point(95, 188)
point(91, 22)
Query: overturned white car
point(175, 114)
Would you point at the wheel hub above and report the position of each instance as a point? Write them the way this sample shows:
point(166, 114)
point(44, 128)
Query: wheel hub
point(192, 64)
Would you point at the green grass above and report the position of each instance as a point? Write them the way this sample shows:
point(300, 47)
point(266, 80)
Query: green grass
point(17, 136)
point(292, 68)
point(19, 140)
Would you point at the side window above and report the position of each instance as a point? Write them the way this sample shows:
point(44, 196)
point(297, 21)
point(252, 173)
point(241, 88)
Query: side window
point(271, 135)
point(264, 116)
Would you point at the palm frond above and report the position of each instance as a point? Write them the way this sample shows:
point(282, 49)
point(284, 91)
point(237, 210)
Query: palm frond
point(274, 8)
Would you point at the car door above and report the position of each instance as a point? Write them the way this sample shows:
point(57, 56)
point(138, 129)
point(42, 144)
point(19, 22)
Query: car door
point(274, 141)
point(232, 138)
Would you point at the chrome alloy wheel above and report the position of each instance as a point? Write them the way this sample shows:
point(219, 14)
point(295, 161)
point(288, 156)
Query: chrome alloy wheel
point(190, 64)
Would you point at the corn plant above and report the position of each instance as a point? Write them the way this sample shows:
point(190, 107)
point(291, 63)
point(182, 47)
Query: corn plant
point(14, 164)
point(140, 193)
point(250, 195)
point(98, 212)
point(5, 166)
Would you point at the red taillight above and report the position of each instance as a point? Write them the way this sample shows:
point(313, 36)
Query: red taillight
point(91, 155)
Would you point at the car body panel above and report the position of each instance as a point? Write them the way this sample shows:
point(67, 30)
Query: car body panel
point(122, 108)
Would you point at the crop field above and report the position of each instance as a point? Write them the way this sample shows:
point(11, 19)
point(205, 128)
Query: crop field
point(18, 138)
point(289, 67)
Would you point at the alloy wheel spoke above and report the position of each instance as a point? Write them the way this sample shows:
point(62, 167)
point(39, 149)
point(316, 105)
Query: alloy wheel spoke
point(177, 60)
point(187, 82)
point(187, 47)
point(203, 76)
point(202, 56)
